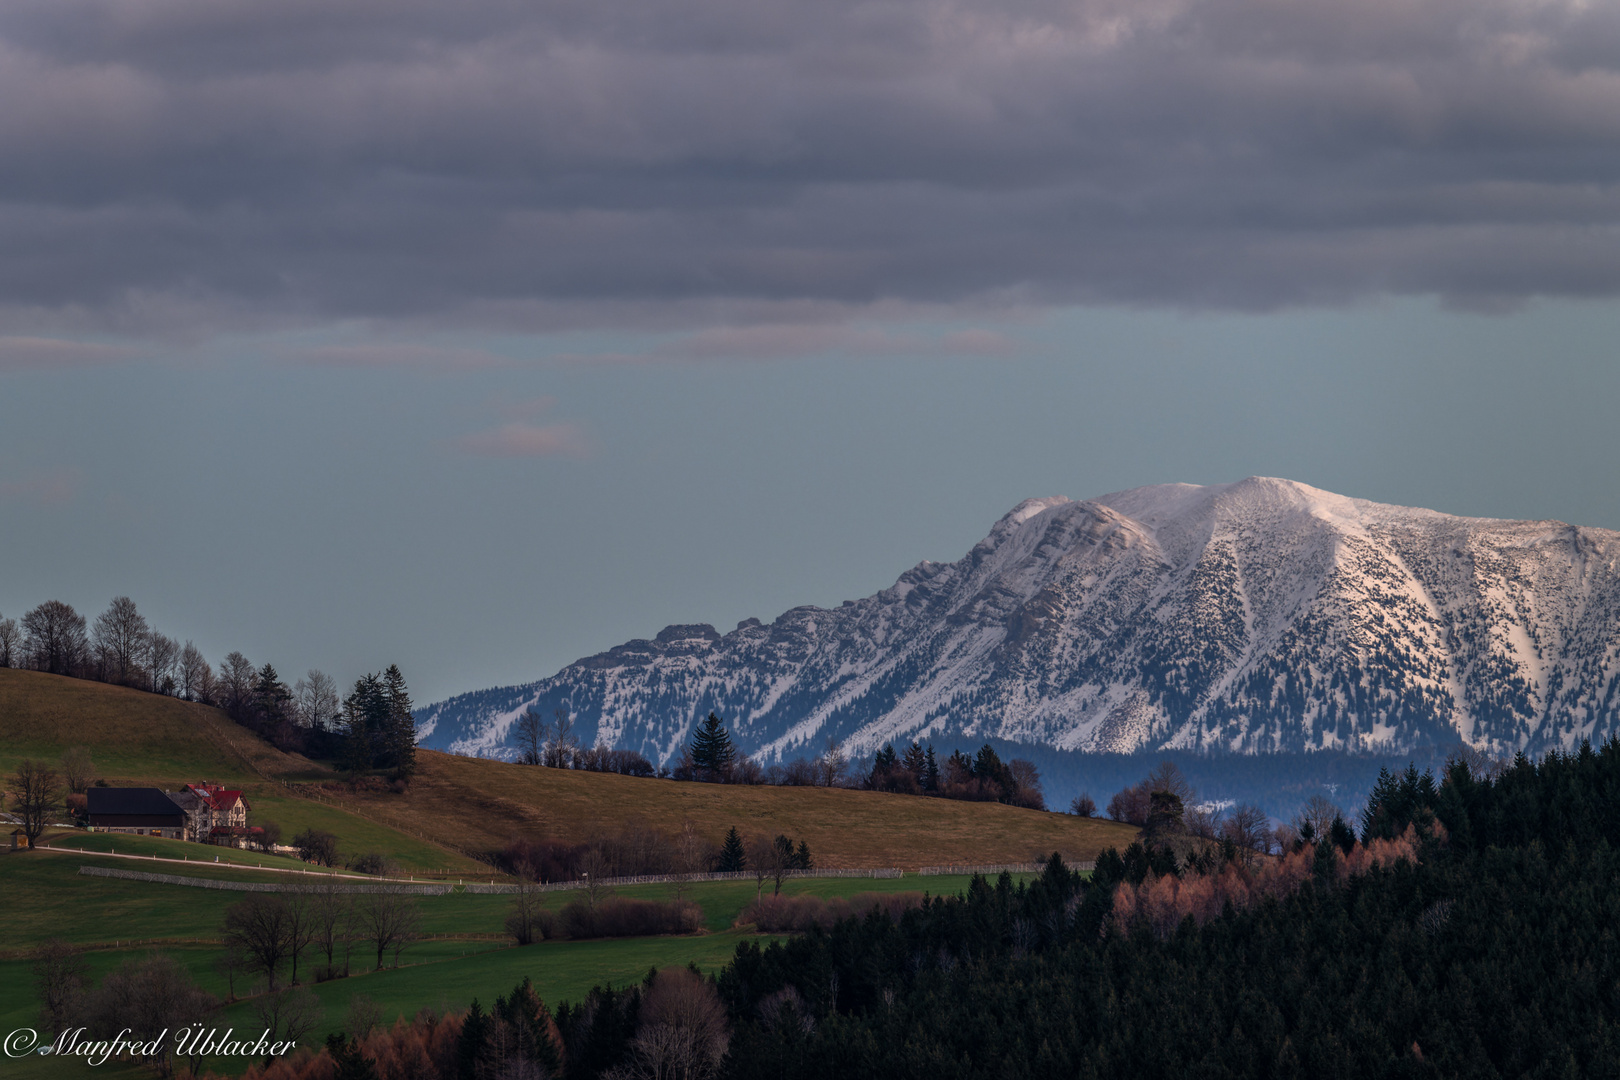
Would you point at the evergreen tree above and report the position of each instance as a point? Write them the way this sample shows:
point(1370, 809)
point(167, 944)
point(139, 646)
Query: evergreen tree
point(532, 1036)
point(1342, 836)
point(399, 730)
point(472, 1048)
point(884, 763)
point(732, 856)
point(931, 783)
point(365, 720)
point(916, 763)
point(351, 1063)
point(712, 749)
point(802, 859)
point(272, 701)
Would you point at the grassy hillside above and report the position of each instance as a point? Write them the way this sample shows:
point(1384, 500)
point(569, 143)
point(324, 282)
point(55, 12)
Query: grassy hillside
point(481, 804)
point(144, 739)
point(458, 808)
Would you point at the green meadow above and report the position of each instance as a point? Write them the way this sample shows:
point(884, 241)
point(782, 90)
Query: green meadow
point(463, 954)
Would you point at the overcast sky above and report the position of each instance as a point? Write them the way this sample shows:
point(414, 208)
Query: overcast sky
point(479, 337)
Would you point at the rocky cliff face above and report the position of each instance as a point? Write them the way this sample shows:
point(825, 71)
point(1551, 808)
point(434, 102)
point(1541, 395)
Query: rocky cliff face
point(1252, 617)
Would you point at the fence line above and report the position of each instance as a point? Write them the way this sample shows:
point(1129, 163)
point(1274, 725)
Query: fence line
point(419, 888)
point(991, 870)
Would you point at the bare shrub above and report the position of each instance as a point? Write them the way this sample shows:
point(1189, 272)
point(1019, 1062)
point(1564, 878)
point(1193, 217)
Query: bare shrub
point(619, 916)
point(373, 863)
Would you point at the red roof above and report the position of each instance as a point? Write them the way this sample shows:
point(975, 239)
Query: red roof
point(216, 798)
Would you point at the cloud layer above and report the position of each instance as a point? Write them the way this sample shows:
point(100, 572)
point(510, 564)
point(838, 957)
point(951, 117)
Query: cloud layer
point(706, 162)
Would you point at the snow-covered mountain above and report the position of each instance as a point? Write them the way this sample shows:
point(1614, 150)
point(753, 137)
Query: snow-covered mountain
point(1252, 617)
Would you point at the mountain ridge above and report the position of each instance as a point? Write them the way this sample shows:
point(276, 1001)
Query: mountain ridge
point(1263, 615)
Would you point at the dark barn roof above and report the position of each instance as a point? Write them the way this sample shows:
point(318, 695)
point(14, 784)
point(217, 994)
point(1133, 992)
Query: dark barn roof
point(135, 806)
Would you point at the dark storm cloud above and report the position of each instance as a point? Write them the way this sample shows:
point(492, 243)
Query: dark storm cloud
point(178, 162)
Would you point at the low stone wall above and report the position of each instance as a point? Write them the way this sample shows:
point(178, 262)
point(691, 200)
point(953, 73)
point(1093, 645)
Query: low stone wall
point(418, 888)
point(996, 869)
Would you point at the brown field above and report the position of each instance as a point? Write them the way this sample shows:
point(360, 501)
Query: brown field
point(482, 804)
point(458, 808)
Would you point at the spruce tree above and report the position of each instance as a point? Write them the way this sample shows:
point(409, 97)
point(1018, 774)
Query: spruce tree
point(802, 859)
point(916, 763)
point(931, 783)
point(712, 749)
point(365, 715)
point(399, 731)
point(732, 856)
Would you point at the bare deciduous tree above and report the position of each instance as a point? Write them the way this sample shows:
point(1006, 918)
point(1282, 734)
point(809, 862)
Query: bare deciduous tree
point(1167, 776)
point(530, 730)
point(1318, 812)
point(526, 922)
point(145, 997)
point(303, 917)
point(562, 745)
point(681, 1031)
point(1248, 828)
point(832, 764)
point(388, 920)
point(691, 857)
point(229, 964)
point(60, 977)
point(120, 638)
point(11, 652)
point(36, 794)
point(767, 861)
point(260, 926)
point(162, 654)
point(54, 638)
point(331, 921)
point(196, 676)
point(1481, 765)
point(316, 701)
point(78, 770)
point(595, 868)
point(234, 684)
point(288, 1014)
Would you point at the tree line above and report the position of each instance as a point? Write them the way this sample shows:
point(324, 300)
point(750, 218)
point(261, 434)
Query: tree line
point(370, 729)
point(1461, 926)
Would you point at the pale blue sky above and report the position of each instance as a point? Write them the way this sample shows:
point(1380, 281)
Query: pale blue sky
point(334, 517)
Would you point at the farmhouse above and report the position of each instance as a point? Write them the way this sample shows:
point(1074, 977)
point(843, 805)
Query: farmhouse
point(146, 811)
point(215, 814)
